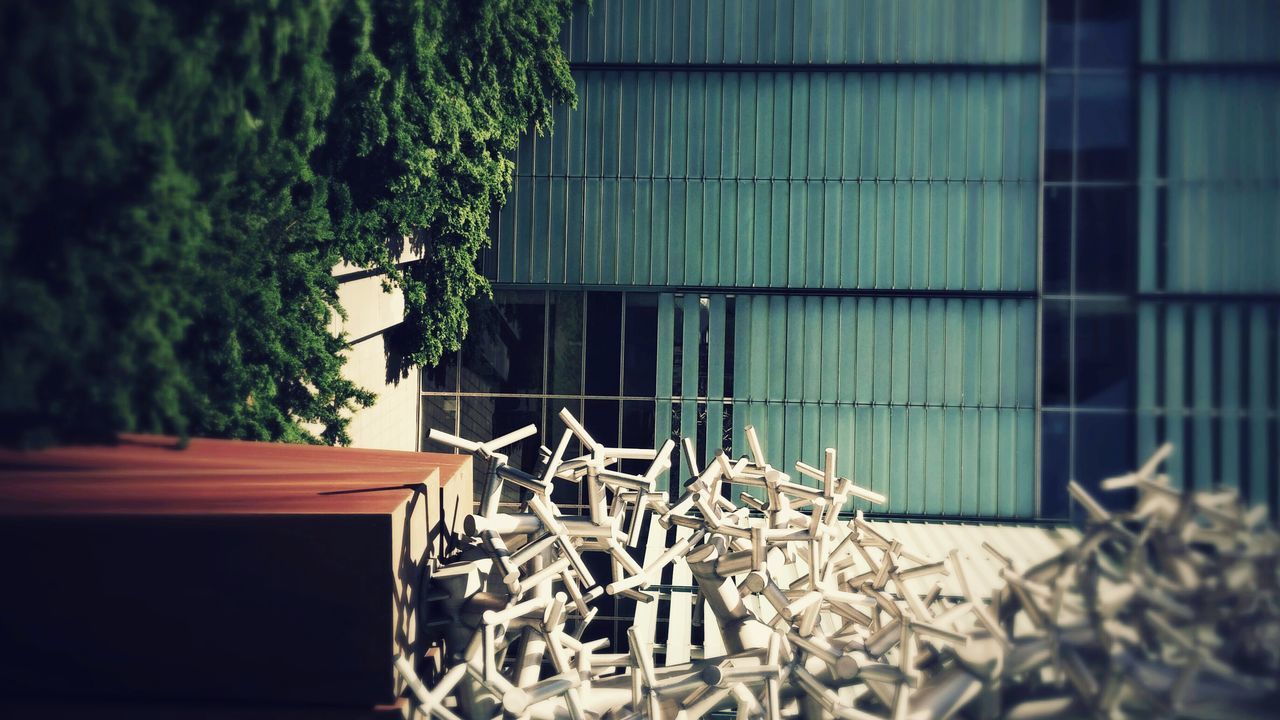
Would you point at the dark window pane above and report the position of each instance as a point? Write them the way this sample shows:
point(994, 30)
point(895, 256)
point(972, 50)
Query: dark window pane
point(1104, 354)
point(513, 413)
point(637, 431)
point(604, 342)
point(601, 566)
point(1056, 373)
point(563, 492)
point(564, 353)
point(1060, 33)
point(1057, 240)
point(677, 373)
point(641, 361)
point(600, 417)
point(730, 339)
point(554, 428)
point(487, 351)
point(475, 422)
point(1104, 448)
point(475, 419)
point(1106, 237)
point(443, 377)
point(503, 349)
point(1106, 31)
point(1105, 136)
point(1055, 465)
point(439, 412)
point(1162, 229)
point(1059, 91)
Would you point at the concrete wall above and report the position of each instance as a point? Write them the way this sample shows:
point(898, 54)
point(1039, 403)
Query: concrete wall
point(392, 422)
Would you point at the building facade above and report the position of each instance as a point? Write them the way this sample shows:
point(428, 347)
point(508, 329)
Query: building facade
point(982, 247)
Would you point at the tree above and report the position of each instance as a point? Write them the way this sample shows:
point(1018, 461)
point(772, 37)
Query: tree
point(179, 179)
point(422, 149)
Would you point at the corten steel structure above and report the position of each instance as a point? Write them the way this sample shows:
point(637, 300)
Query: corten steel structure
point(1023, 241)
point(228, 579)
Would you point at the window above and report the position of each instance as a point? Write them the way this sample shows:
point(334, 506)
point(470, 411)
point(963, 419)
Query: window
point(1104, 361)
point(1056, 373)
point(1057, 239)
point(1106, 228)
point(564, 350)
point(1106, 33)
point(641, 351)
point(1059, 127)
point(500, 331)
point(603, 342)
point(1104, 130)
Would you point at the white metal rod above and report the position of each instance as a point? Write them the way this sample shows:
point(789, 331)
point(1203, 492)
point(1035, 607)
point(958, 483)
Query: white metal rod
point(753, 443)
point(572, 423)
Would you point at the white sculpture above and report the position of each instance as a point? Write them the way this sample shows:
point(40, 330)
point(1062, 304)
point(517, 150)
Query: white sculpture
point(818, 617)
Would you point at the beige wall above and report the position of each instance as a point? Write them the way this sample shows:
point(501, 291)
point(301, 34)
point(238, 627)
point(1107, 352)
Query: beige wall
point(392, 422)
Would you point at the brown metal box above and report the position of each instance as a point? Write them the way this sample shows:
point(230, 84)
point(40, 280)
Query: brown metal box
point(228, 571)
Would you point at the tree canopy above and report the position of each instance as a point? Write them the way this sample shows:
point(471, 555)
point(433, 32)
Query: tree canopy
point(180, 178)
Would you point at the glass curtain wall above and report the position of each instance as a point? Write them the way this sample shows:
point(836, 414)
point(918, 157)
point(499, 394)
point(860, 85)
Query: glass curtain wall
point(1090, 229)
point(982, 247)
point(774, 175)
point(1161, 242)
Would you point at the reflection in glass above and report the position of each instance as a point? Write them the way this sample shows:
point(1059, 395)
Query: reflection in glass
point(564, 351)
point(513, 413)
point(443, 377)
point(503, 349)
point(438, 413)
point(475, 417)
point(475, 420)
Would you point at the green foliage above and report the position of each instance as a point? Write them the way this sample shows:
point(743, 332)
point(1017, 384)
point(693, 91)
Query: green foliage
point(439, 94)
point(180, 178)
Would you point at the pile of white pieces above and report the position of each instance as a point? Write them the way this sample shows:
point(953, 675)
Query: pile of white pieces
point(819, 617)
point(1172, 608)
